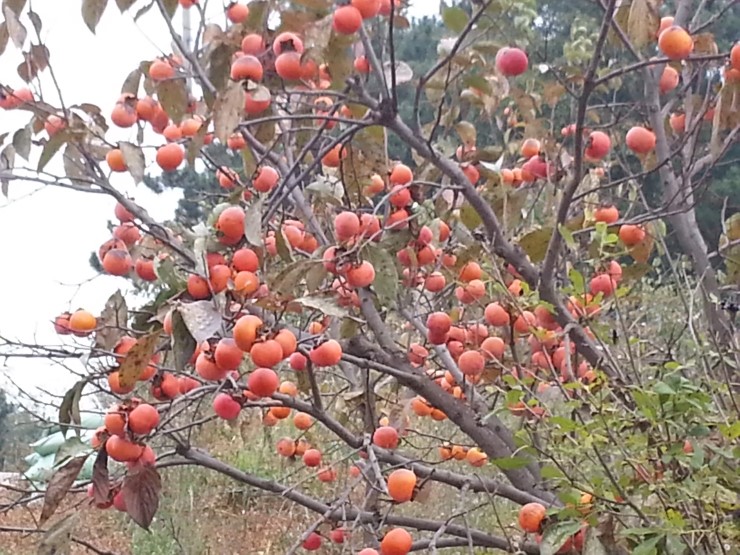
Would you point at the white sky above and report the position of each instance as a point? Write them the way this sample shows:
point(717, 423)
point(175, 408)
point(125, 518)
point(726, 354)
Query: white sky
point(47, 235)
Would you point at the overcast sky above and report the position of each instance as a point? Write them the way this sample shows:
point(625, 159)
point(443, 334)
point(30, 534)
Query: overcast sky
point(46, 235)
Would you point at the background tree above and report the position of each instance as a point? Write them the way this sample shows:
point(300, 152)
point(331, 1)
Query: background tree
point(507, 298)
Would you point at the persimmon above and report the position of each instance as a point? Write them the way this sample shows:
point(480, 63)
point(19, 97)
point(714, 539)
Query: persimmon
point(361, 275)
point(128, 233)
point(369, 550)
point(160, 70)
point(54, 124)
point(361, 65)
point(254, 106)
point(400, 196)
point(602, 283)
point(245, 260)
point(117, 262)
point(265, 179)
point(668, 79)
point(640, 140)
point(237, 13)
point(401, 483)
point(246, 283)
point(347, 20)
point(530, 147)
point(497, 315)
point(12, 99)
point(471, 363)
point(531, 516)
point(143, 419)
point(61, 324)
point(312, 542)
point(288, 66)
point(263, 382)
point(218, 277)
point(439, 322)
point(280, 413)
point(677, 122)
point(676, 43)
point(302, 421)
point(115, 422)
point(631, 235)
point(367, 8)
point(386, 437)
point(287, 42)
point(665, 22)
point(245, 331)
point(266, 353)
point(312, 458)
point(82, 321)
point(170, 156)
point(401, 174)
point(333, 158)
point(190, 126)
point(298, 361)
point(227, 355)
point(511, 61)
point(606, 214)
point(123, 450)
point(397, 541)
point(476, 457)
point(524, 322)
point(230, 222)
point(598, 145)
point(226, 407)
point(493, 348)
point(328, 353)
point(735, 56)
point(114, 383)
point(198, 287)
point(253, 44)
point(124, 115)
point(285, 447)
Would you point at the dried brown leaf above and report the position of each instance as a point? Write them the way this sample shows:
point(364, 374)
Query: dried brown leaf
point(141, 488)
point(137, 359)
point(59, 485)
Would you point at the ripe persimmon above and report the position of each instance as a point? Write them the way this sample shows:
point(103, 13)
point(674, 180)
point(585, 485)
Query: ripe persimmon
point(677, 122)
point(607, 214)
point(361, 64)
point(160, 70)
point(401, 174)
point(230, 222)
point(401, 483)
point(668, 79)
point(333, 158)
point(266, 354)
point(237, 13)
point(114, 383)
point(361, 275)
point(735, 57)
point(598, 145)
point(287, 42)
point(367, 8)
point(245, 331)
point(524, 322)
point(327, 353)
point(288, 66)
point(124, 114)
point(115, 422)
point(265, 179)
point(530, 147)
point(386, 437)
point(640, 140)
point(471, 363)
point(531, 516)
point(170, 156)
point(227, 355)
point(397, 541)
point(226, 407)
point(114, 159)
point(143, 419)
point(82, 321)
point(263, 382)
point(347, 20)
point(117, 262)
point(511, 61)
point(676, 43)
point(631, 235)
point(312, 458)
point(497, 315)
point(254, 106)
point(246, 283)
point(476, 457)
point(253, 44)
point(123, 450)
point(54, 124)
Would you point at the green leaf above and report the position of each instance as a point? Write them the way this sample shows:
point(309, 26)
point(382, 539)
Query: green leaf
point(648, 547)
point(183, 343)
point(556, 535)
point(469, 216)
point(510, 463)
point(535, 243)
point(92, 11)
point(567, 236)
point(455, 19)
point(576, 278)
point(386, 273)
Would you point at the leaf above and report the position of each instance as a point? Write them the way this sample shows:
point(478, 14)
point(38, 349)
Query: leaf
point(4, 36)
point(403, 71)
point(315, 277)
point(166, 272)
point(92, 11)
point(51, 147)
point(170, 7)
point(133, 155)
point(469, 216)
point(556, 535)
point(327, 305)
point(22, 142)
point(131, 84)
point(16, 6)
point(57, 538)
point(101, 477)
point(35, 21)
point(76, 166)
point(643, 21)
point(201, 318)
point(510, 463)
point(704, 43)
point(69, 410)
point(466, 132)
point(648, 547)
point(455, 19)
point(59, 485)
point(137, 359)
point(287, 280)
point(16, 31)
point(112, 322)
point(124, 5)
point(183, 343)
point(141, 488)
point(173, 95)
point(386, 274)
point(253, 223)
point(227, 111)
point(535, 243)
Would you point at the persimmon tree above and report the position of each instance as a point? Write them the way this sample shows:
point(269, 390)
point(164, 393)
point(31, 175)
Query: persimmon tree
point(497, 318)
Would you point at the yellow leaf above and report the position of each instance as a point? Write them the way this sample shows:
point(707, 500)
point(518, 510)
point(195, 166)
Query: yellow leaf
point(137, 359)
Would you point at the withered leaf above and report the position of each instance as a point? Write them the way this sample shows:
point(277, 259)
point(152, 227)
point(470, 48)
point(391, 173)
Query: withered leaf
point(59, 485)
point(137, 359)
point(112, 322)
point(141, 488)
point(101, 478)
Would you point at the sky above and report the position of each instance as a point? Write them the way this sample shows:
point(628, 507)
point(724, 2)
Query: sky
point(48, 233)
